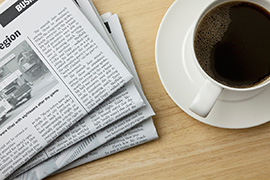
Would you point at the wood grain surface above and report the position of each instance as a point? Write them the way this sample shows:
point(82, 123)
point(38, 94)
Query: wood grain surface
point(187, 149)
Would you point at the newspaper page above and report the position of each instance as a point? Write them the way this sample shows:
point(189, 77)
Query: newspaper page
point(140, 134)
point(53, 71)
point(85, 146)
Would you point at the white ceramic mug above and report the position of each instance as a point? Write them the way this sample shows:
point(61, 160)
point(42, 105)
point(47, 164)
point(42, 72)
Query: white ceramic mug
point(211, 89)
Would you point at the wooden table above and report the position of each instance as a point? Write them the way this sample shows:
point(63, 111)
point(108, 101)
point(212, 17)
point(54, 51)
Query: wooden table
point(187, 149)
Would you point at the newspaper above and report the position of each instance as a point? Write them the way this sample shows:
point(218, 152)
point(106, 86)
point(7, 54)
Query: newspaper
point(53, 72)
point(87, 145)
point(140, 134)
point(123, 105)
point(123, 102)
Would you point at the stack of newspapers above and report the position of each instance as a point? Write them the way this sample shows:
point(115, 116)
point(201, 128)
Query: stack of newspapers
point(69, 91)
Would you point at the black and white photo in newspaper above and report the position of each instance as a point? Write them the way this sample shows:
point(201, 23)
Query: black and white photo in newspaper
point(79, 64)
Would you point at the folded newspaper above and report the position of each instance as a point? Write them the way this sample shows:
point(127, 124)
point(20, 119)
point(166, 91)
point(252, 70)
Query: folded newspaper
point(117, 106)
point(54, 67)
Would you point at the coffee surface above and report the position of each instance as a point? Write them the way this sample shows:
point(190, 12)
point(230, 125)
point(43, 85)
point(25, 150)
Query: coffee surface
point(232, 44)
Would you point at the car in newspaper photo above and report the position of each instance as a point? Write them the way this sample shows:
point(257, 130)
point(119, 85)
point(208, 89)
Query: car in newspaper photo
point(17, 92)
point(31, 65)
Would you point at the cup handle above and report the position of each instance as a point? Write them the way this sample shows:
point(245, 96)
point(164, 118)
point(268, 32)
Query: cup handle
point(205, 99)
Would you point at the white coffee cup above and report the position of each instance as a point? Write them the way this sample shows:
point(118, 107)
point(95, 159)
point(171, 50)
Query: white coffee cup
point(211, 89)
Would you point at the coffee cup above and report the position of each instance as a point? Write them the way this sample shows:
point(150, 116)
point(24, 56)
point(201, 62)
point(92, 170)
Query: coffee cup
point(231, 49)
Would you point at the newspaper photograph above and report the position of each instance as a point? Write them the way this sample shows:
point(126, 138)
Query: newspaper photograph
point(23, 79)
point(81, 67)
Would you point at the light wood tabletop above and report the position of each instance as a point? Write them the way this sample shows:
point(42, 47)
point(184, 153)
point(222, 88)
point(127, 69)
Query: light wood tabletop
point(187, 149)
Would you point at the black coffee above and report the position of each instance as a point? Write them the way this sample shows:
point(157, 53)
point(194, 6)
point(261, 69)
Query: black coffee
point(232, 44)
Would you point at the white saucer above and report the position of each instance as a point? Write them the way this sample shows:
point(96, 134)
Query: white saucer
point(182, 80)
